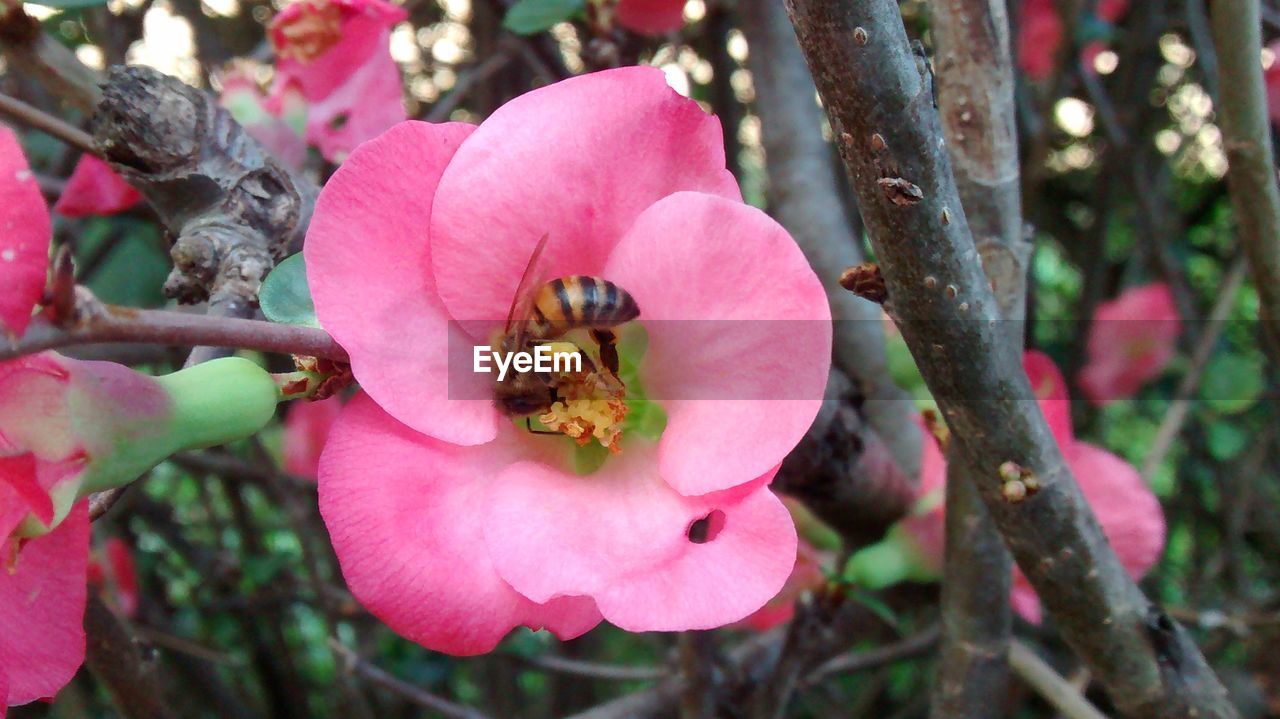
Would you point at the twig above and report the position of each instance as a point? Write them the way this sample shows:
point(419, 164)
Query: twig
point(57, 128)
point(31, 52)
point(118, 662)
point(1251, 168)
point(911, 647)
point(594, 670)
point(875, 90)
point(358, 666)
point(472, 78)
point(697, 652)
point(180, 329)
point(1180, 408)
point(1050, 685)
point(183, 645)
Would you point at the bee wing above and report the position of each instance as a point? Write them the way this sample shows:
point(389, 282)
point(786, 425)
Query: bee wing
point(522, 300)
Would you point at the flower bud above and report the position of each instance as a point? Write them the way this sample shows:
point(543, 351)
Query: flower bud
point(92, 426)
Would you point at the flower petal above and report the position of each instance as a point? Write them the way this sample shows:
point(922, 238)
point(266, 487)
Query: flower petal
point(404, 513)
point(95, 189)
point(623, 537)
point(306, 427)
point(1051, 392)
point(739, 336)
point(20, 493)
point(24, 237)
point(300, 30)
point(42, 650)
point(1131, 340)
point(368, 260)
point(651, 17)
point(578, 161)
point(359, 110)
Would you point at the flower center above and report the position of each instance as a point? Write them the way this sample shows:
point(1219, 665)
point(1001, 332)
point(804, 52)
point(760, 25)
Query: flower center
point(316, 29)
point(590, 405)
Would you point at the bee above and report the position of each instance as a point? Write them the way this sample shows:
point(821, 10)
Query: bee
point(541, 312)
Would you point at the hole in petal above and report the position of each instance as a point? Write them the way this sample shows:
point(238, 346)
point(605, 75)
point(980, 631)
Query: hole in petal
point(704, 530)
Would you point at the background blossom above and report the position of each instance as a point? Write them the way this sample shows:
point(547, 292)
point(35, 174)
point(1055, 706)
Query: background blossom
point(1131, 340)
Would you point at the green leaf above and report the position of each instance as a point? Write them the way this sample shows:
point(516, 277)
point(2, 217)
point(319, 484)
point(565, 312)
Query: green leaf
point(1232, 383)
point(1225, 440)
point(285, 296)
point(68, 4)
point(532, 16)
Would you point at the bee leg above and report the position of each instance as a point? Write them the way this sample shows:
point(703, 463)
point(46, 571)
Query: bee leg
point(608, 342)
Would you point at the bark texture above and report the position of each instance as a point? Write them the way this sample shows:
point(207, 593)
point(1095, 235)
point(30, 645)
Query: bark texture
point(975, 87)
point(804, 197)
point(233, 211)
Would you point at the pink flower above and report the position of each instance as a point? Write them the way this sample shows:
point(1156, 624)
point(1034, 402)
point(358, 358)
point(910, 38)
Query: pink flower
point(1040, 35)
point(651, 17)
point(71, 427)
point(806, 576)
point(451, 522)
point(1272, 79)
point(24, 238)
point(336, 53)
point(95, 189)
point(113, 574)
point(1129, 513)
point(306, 428)
point(42, 596)
point(279, 127)
point(1131, 340)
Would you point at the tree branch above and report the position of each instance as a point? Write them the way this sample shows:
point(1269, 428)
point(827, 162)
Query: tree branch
point(876, 92)
point(37, 119)
point(181, 329)
point(358, 666)
point(975, 99)
point(233, 210)
point(1251, 169)
point(1050, 685)
point(115, 659)
point(804, 198)
point(31, 51)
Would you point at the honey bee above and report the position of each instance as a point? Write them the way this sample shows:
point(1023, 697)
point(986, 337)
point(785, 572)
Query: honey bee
point(541, 312)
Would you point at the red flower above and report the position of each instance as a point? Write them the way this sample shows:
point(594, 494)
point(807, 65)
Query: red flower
point(95, 189)
point(1131, 340)
point(24, 238)
point(651, 17)
point(306, 428)
point(337, 53)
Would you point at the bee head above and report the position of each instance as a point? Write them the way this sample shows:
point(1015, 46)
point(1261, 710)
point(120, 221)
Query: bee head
point(524, 394)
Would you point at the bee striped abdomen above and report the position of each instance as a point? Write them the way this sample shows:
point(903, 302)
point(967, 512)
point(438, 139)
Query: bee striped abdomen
point(581, 301)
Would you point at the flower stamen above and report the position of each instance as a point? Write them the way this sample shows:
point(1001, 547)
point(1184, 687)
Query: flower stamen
point(591, 405)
